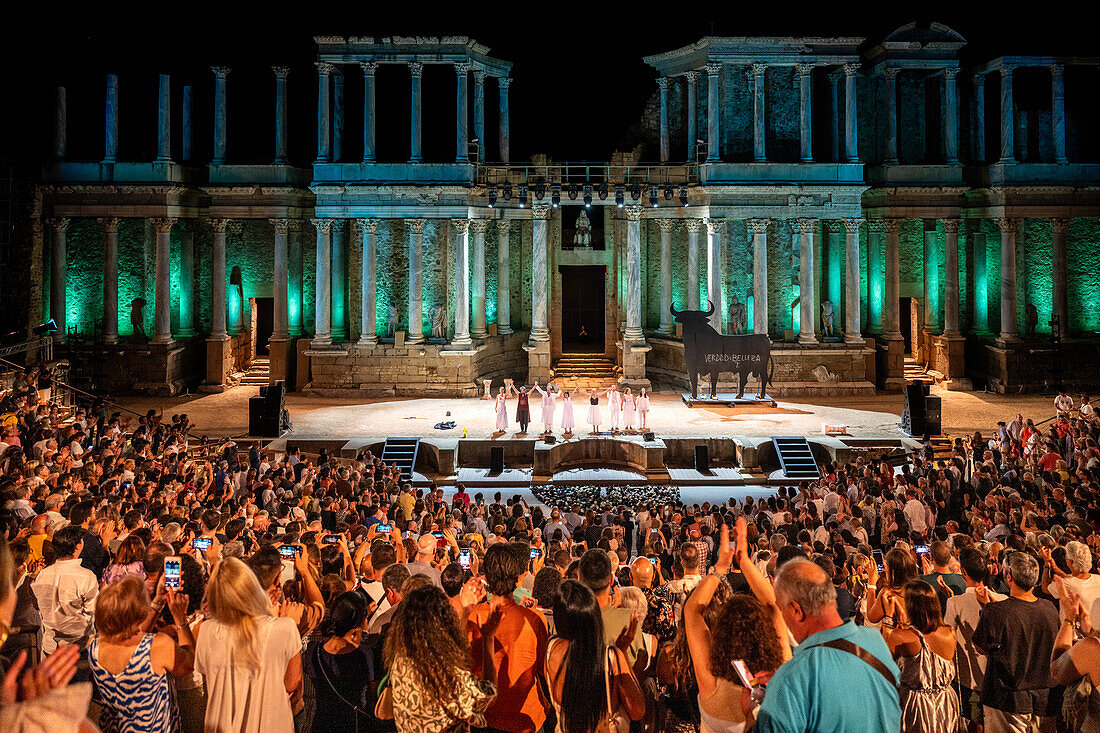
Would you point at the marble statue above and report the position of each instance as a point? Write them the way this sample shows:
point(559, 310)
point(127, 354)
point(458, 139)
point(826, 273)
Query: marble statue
point(391, 320)
point(583, 235)
point(437, 314)
point(137, 319)
point(827, 319)
point(738, 316)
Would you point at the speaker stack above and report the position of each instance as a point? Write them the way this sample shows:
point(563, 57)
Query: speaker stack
point(496, 460)
point(267, 415)
point(702, 459)
point(922, 412)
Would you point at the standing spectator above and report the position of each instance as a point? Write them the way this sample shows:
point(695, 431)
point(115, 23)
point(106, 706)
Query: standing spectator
point(93, 555)
point(940, 553)
point(129, 560)
point(595, 571)
point(661, 620)
point(66, 593)
point(1081, 581)
point(341, 668)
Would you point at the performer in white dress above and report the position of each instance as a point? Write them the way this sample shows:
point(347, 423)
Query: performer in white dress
point(594, 416)
point(567, 421)
point(615, 406)
point(643, 409)
point(628, 410)
point(501, 408)
point(549, 402)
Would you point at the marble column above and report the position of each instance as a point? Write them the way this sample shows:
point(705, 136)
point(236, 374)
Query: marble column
point(59, 273)
point(950, 116)
point(1058, 114)
point(324, 110)
point(281, 73)
point(370, 106)
point(666, 226)
point(479, 113)
point(714, 272)
point(462, 282)
point(852, 327)
point(339, 285)
point(281, 322)
point(221, 74)
point(294, 277)
point(805, 111)
point(834, 115)
point(322, 335)
point(462, 152)
point(979, 118)
point(1009, 331)
point(503, 83)
point(416, 278)
point(416, 70)
point(692, 112)
point(694, 226)
point(981, 281)
point(185, 123)
point(1059, 302)
point(891, 316)
point(368, 294)
point(162, 314)
point(110, 137)
point(110, 279)
point(633, 330)
point(540, 330)
point(851, 114)
point(217, 281)
point(759, 229)
point(759, 150)
point(337, 114)
point(477, 278)
point(187, 281)
point(712, 112)
point(1008, 119)
point(164, 117)
point(890, 74)
point(932, 284)
point(60, 123)
point(950, 277)
point(662, 90)
point(806, 301)
point(504, 286)
point(876, 230)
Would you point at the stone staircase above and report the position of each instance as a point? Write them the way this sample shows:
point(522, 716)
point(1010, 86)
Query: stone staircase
point(258, 372)
point(916, 372)
point(586, 371)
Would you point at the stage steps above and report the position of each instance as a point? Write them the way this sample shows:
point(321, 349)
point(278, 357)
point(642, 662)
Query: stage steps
point(796, 458)
point(916, 372)
point(587, 371)
point(402, 452)
point(258, 372)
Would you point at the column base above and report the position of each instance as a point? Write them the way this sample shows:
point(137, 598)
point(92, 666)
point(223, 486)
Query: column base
point(415, 339)
point(162, 341)
point(504, 330)
point(666, 330)
point(111, 339)
point(189, 333)
point(478, 334)
point(464, 343)
point(633, 335)
point(371, 340)
point(219, 361)
point(807, 339)
point(855, 339)
point(321, 342)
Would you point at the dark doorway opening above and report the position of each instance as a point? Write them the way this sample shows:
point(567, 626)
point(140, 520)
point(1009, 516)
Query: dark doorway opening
point(582, 308)
point(905, 322)
point(265, 324)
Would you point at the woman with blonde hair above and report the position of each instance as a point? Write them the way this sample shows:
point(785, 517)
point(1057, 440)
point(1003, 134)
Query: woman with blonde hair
point(251, 661)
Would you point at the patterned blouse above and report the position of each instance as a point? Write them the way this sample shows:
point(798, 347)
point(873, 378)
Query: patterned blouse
point(415, 714)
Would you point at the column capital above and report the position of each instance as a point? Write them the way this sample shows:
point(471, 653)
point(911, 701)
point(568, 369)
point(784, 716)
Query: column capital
point(218, 225)
point(295, 225)
point(713, 69)
point(540, 211)
point(504, 82)
point(758, 226)
point(633, 212)
point(369, 67)
point(832, 225)
point(479, 76)
point(851, 69)
point(979, 81)
point(951, 226)
point(804, 69)
point(282, 226)
point(949, 74)
point(890, 72)
point(662, 83)
point(324, 226)
point(163, 224)
point(281, 72)
point(757, 69)
point(416, 226)
point(368, 226)
point(110, 223)
point(851, 225)
point(804, 225)
point(416, 69)
point(1059, 224)
point(666, 225)
point(324, 68)
point(236, 226)
point(836, 75)
point(1005, 224)
point(461, 225)
point(714, 226)
point(1056, 70)
point(462, 68)
point(1007, 69)
point(479, 226)
point(875, 226)
point(891, 226)
point(691, 76)
point(693, 225)
point(220, 71)
point(58, 224)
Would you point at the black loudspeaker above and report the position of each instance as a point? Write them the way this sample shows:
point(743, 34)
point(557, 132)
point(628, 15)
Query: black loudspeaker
point(550, 439)
point(496, 460)
point(256, 408)
point(932, 415)
point(702, 459)
point(648, 437)
point(913, 418)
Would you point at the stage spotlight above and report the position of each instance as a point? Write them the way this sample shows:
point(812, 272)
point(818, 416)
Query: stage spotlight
point(684, 195)
point(587, 197)
point(572, 192)
point(540, 191)
point(506, 192)
point(521, 194)
point(555, 195)
point(492, 196)
point(668, 193)
point(620, 198)
point(602, 190)
point(42, 329)
point(653, 196)
point(635, 192)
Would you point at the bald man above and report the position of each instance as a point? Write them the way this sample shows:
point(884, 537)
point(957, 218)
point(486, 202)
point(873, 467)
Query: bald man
point(422, 565)
point(661, 620)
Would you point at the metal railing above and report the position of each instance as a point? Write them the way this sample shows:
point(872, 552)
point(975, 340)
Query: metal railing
point(591, 174)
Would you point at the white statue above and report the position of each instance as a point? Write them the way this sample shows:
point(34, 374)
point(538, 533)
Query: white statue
point(738, 316)
point(583, 235)
point(391, 322)
point(487, 389)
point(827, 319)
point(437, 314)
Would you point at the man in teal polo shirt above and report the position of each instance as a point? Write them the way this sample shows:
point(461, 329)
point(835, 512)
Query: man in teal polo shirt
point(827, 689)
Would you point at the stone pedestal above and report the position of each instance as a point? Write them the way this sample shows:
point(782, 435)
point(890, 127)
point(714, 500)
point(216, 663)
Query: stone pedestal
point(634, 365)
point(219, 358)
point(282, 362)
point(948, 357)
point(538, 361)
point(890, 363)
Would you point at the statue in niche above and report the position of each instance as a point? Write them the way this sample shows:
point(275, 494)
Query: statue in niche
point(391, 319)
point(137, 319)
point(738, 316)
point(437, 314)
point(1031, 319)
point(583, 235)
point(827, 319)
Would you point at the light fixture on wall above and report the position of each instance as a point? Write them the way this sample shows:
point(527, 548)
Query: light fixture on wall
point(492, 196)
point(668, 192)
point(684, 195)
point(620, 197)
point(540, 191)
point(635, 192)
point(572, 192)
point(602, 190)
point(506, 192)
point(587, 196)
point(521, 194)
point(555, 195)
point(653, 196)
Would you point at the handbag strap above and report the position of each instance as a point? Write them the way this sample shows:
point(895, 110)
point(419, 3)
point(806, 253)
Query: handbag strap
point(857, 651)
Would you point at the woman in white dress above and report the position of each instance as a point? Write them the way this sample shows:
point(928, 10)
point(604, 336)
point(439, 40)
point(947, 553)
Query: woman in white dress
point(567, 421)
point(642, 406)
point(614, 406)
point(549, 402)
point(594, 416)
point(501, 408)
point(628, 410)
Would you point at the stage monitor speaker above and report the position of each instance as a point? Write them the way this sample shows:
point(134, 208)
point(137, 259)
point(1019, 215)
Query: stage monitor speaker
point(648, 437)
point(550, 439)
point(702, 459)
point(913, 418)
point(496, 460)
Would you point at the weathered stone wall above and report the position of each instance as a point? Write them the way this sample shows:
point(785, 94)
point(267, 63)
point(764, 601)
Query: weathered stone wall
point(1026, 367)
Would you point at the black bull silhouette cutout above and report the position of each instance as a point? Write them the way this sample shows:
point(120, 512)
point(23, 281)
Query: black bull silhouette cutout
point(708, 352)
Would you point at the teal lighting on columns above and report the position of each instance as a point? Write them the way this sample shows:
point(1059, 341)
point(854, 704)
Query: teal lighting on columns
point(294, 278)
point(834, 273)
point(339, 280)
point(933, 279)
point(876, 233)
point(981, 281)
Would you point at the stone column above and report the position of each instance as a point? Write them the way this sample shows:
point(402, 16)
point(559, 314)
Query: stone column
point(1058, 115)
point(479, 113)
point(110, 279)
point(714, 272)
point(59, 272)
point(322, 335)
point(370, 106)
point(540, 330)
point(834, 115)
point(60, 123)
point(666, 326)
point(694, 226)
point(981, 281)
point(950, 277)
point(368, 330)
point(504, 288)
point(1009, 331)
point(759, 152)
point(692, 111)
point(1008, 119)
point(462, 282)
point(164, 117)
point(185, 123)
point(932, 295)
point(503, 84)
point(1059, 302)
point(337, 114)
point(712, 112)
point(221, 73)
point(851, 114)
point(339, 280)
point(281, 73)
point(662, 88)
point(875, 278)
point(110, 137)
point(950, 116)
point(979, 118)
point(462, 152)
point(890, 74)
point(416, 278)
point(281, 322)
point(217, 281)
point(187, 281)
point(759, 229)
point(416, 70)
point(633, 330)
point(294, 277)
point(805, 113)
point(891, 307)
point(478, 226)
point(852, 327)
point(324, 123)
point(162, 315)
point(807, 303)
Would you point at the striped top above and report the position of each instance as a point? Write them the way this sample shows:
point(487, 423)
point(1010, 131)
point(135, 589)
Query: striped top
point(138, 700)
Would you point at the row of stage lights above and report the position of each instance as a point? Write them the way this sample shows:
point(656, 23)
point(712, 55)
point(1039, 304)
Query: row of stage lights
point(539, 192)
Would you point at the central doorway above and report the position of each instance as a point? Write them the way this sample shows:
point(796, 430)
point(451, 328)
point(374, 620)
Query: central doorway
point(582, 308)
point(265, 324)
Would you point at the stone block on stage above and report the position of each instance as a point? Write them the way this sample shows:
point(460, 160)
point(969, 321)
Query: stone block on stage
point(728, 399)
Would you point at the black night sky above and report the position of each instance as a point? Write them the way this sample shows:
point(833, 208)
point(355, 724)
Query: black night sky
point(579, 78)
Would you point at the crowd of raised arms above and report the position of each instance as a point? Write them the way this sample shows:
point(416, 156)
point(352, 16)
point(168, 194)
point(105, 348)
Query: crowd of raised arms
point(151, 584)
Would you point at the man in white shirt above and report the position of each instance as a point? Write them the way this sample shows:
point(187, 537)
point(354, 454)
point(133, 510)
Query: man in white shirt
point(1063, 403)
point(66, 593)
point(915, 514)
point(963, 612)
point(555, 524)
